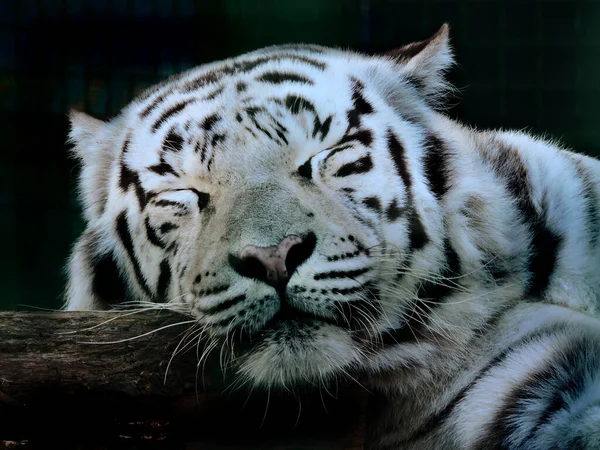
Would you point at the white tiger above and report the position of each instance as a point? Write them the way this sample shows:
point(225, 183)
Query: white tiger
point(314, 206)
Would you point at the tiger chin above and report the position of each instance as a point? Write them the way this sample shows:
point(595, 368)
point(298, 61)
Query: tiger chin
point(317, 210)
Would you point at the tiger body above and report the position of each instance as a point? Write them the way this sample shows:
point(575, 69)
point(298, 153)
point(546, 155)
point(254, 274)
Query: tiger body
point(457, 271)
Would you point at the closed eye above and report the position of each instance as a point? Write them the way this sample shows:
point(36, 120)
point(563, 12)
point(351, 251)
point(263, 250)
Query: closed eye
point(305, 170)
point(180, 201)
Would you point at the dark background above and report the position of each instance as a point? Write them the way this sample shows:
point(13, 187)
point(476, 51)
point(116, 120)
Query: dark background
point(522, 64)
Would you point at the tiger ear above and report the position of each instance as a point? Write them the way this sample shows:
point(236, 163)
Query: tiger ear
point(93, 146)
point(84, 132)
point(424, 63)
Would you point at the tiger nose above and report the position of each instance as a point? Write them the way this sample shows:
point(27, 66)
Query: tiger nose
point(275, 264)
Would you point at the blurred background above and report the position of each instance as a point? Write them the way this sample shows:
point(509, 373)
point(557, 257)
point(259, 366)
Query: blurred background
point(522, 64)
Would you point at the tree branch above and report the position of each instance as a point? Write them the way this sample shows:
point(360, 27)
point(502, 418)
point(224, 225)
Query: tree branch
point(98, 378)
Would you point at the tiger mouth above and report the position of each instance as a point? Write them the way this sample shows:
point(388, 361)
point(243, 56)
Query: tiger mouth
point(288, 313)
point(288, 319)
point(296, 323)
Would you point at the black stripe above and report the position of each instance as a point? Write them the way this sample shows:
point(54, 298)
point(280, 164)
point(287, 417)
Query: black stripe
point(545, 243)
point(209, 122)
point(125, 236)
point(164, 279)
point(296, 104)
point(212, 291)
point(203, 198)
point(173, 142)
point(152, 236)
point(554, 385)
point(365, 137)
point(360, 105)
point(336, 150)
point(305, 170)
point(127, 178)
point(244, 67)
point(223, 305)
point(372, 203)
point(167, 226)
point(107, 284)
point(201, 81)
point(429, 291)
point(310, 61)
point(393, 212)
point(282, 136)
point(418, 236)
point(162, 169)
point(592, 203)
point(165, 202)
point(212, 95)
point(340, 274)
point(170, 112)
point(437, 420)
point(362, 165)
point(397, 154)
point(203, 150)
point(216, 139)
point(435, 160)
point(323, 128)
point(282, 77)
point(263, 130)
point(153, 105)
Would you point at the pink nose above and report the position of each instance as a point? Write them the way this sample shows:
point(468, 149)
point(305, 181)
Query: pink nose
point(273, 259)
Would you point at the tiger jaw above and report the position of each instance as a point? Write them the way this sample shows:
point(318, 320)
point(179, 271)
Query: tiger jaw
point(297, 336)
point(296, 353)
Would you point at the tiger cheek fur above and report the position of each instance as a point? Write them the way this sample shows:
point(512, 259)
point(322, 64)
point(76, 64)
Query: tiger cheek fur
point(314, 210)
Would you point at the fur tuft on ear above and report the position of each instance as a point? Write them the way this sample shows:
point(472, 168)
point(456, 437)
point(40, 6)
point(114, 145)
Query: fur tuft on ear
point(424, 64)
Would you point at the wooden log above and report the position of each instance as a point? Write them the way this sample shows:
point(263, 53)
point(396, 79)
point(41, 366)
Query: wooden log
point(97, 380)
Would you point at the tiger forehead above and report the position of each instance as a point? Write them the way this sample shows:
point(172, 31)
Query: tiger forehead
point(260, 107)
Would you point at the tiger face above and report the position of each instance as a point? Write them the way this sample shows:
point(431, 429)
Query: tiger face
point(276, 198)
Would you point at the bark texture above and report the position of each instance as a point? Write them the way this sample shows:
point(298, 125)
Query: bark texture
point(78, 380)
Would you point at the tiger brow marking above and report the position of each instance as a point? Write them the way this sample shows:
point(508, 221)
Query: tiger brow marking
point(243, 67)
point(362, 165)
point(170, 112)
point(154, 104)
point(361, 105)
point(210, 121)
point(282, 77)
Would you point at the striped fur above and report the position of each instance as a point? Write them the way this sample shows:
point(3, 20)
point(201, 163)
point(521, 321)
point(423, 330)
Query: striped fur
point(457, 271)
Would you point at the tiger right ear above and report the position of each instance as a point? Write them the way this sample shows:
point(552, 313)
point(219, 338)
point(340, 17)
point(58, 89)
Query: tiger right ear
point(424, 63)
point(84, 130)
point(93, 145)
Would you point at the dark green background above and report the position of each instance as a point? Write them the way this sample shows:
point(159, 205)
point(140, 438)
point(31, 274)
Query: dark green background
point(522, 64)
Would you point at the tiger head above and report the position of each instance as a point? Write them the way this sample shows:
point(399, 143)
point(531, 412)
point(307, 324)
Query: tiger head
point(278, 197)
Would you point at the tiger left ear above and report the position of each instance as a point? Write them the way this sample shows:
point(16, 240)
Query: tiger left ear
point(424, 63)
